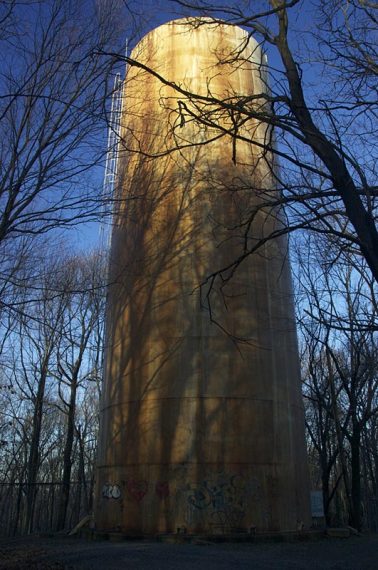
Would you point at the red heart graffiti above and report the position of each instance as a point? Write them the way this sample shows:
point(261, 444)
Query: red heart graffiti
point(137, 489)
point(162, 489)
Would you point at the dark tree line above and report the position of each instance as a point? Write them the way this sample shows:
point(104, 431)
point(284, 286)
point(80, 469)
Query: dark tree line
point(337, 313)
point(54, 90)
point(50, 381)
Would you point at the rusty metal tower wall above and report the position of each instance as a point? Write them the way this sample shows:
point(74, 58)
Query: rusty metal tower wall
point(202, 418)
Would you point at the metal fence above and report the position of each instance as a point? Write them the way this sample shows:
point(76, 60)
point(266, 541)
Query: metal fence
point(13, 506)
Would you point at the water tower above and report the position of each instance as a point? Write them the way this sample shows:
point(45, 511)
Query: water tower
point(202, 423)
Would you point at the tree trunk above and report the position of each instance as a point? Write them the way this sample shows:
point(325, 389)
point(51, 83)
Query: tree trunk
point(339, 435)
point(18, 509)
point(325, 485)
point(82, 481)
point(33, 461)
point(355, 443)
point(67, 459)
point(361, 219)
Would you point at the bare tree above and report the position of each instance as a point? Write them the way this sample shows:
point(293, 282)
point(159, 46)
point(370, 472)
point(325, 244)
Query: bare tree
point(339, 322)
point(39, 341)
point(54, 85)
point(77, 354)
point(323, 449)
point(50, 114)
point(49, 393)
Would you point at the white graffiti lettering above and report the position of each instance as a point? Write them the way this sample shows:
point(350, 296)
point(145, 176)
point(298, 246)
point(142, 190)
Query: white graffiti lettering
point(110, 491)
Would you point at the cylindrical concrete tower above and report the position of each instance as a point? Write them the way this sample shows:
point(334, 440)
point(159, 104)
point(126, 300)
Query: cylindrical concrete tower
point(202, 419)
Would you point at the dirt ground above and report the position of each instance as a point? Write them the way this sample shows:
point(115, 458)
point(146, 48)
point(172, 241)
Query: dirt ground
point(354, 553)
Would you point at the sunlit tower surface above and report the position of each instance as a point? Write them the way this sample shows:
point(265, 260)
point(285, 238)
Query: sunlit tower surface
point(202, 424)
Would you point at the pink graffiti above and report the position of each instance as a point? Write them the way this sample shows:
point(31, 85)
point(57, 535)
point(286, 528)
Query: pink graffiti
point(162, 489)
point(137, 489)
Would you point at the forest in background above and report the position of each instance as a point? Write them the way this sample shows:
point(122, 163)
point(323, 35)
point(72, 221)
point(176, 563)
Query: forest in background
point(56, 79)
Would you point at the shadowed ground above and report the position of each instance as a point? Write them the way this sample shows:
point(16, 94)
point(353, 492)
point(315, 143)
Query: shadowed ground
point(355, 553)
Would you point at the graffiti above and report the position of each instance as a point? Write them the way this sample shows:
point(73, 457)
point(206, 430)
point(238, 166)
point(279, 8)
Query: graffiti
point(222, 502)
point(228, 518)
point(193, 516)
point(137, 489)
point(162, 489)
point(200, 497)
point(221, 499)
point(110, 491)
